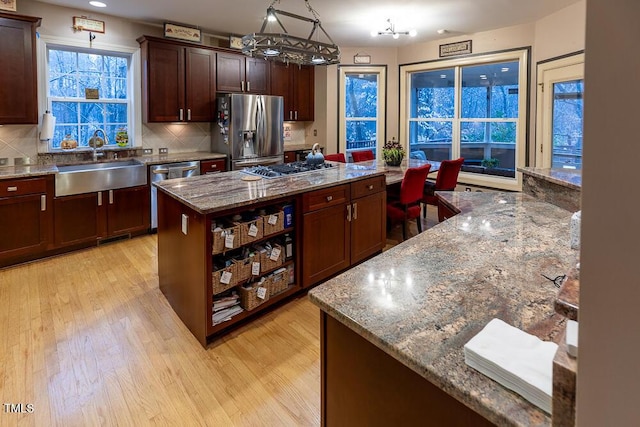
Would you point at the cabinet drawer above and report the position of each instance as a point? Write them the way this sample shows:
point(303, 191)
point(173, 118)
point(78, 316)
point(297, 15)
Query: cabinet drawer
point(213, 166)
point(367, 186)
point(20, 187)
point(324, 198)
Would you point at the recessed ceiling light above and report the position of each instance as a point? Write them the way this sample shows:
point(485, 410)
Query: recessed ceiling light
point(97, 4)
point(442, 31)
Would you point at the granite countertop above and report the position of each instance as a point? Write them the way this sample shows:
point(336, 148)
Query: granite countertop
point(212, 193)
point(422, 300)
point(570, 178)
point(8, 172)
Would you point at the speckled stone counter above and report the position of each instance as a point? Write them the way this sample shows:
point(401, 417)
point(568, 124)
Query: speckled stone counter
point(8, 172)
point(421, 301)
point(212, 193)
point(561, 187)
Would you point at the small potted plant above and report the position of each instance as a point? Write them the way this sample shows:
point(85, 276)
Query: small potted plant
point(393, 153)
point(490, 163)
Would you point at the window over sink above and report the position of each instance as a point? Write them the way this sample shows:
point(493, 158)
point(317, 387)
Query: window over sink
point(89, 89)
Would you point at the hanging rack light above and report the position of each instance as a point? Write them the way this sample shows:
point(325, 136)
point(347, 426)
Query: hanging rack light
point(282, 46)
point(390, 30)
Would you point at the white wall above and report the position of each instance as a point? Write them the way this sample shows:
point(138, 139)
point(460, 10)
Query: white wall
point(608, 372)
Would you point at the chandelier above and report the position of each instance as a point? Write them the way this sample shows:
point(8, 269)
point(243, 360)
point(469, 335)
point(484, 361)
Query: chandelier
point(282, 46)
point(391, 31)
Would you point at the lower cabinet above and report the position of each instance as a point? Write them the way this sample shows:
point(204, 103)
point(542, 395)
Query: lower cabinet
point(26, 218)
point(83, 219)
point(342, 226)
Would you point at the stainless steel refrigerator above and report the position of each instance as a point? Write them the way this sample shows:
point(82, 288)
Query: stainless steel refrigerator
point(249, 129)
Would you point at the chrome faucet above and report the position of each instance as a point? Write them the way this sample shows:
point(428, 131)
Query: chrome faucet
point(93, 141)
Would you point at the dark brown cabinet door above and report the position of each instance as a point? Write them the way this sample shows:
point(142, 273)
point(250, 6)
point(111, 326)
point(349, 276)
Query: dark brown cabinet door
point(296, 85)
point(23, 226)
point(164, 88)
point(19, 96)
point(368, 228)
point(128, 211)
point(303, 86)
point(200, 85)
point(325, 244)
point(231, 74)
point(78, 219)
point(281, 86)
point(257, 73)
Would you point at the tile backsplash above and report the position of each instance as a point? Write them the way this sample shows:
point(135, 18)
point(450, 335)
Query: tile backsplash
point(20, 143)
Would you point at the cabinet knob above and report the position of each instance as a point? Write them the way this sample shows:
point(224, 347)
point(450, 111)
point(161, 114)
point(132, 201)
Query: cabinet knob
point(189, 114)
point(214, 166)
point(349, 213)
point(181, 114)
point(248, 86)
point(329, 198)
point(12, 188)
point(355, 211)
point(370, 187)
point(43, 203)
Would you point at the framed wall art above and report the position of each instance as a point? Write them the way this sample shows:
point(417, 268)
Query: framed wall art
point(180, 32)
point(8, 5)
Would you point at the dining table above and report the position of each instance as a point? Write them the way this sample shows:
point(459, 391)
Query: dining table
point(394, 174)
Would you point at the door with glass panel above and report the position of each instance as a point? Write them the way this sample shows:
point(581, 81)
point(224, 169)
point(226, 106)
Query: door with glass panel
point(560, 113)
point(362, 108)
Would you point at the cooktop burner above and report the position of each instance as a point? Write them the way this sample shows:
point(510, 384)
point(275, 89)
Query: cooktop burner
point(274, 171)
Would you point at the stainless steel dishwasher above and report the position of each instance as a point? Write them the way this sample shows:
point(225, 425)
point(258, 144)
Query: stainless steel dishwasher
point(168, 171)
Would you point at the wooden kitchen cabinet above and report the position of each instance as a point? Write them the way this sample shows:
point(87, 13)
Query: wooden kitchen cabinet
point(296, 84)
point(290, 156)
point(83, 219)
point(239, 73)
point(26, 213)
point(213, 166)
point(178, 81)
point(19, 100)
point(342, 226)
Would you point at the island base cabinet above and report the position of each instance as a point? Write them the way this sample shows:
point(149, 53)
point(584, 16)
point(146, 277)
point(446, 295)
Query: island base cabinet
point(362, 385)
point(368, 228)
point(326, 244)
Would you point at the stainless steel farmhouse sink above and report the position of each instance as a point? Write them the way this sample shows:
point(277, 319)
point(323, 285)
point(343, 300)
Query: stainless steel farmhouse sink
point(92, 177)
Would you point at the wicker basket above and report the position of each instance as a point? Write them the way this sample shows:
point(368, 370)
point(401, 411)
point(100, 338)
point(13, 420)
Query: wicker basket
point(217, 275)
point(243, 269)
point(220, 236)
point(266, 263)
point(273, 228)
point(245, 228)
point(249, 297)
point(279, 282)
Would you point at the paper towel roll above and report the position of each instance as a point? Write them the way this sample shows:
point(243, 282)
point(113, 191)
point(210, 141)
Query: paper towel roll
point(48, 126)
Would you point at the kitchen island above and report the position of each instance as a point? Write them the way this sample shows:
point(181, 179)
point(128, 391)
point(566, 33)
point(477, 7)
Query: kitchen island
point(334, 218)
point(394, 327)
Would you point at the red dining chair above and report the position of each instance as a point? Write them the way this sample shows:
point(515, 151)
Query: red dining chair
point(407, 206)
point(337, 157)
point(362, 155)
point(446, 180)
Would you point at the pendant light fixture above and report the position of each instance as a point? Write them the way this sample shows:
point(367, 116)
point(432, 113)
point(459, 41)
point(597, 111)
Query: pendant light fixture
point(281, 46)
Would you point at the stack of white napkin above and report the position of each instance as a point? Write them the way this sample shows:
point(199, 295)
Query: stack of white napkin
point(519, 361)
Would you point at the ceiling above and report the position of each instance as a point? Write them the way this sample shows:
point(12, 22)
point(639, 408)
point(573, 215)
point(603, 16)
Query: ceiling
point(349, 23)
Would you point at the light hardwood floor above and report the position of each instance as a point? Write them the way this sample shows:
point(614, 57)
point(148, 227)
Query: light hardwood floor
point(88, 339)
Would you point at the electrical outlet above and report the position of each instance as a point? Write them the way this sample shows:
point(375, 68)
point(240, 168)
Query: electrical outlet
point(164, 150)
point(4, 161)
point(315, 132)
point(147, 151)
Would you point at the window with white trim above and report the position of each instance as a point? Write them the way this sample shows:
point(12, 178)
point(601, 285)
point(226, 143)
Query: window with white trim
point(362, 108)
point(473, 107)
point(89, 90)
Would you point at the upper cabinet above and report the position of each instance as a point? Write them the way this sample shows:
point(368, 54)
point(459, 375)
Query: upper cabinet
point(295, 83)
point(240, 73)
point(18, 79)
point(178, 81)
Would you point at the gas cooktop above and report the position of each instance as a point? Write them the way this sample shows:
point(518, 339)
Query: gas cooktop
point(275, 171)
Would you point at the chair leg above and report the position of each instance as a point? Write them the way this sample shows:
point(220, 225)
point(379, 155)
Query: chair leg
point(424, 210)
point(404, 230)
point(419, 222)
